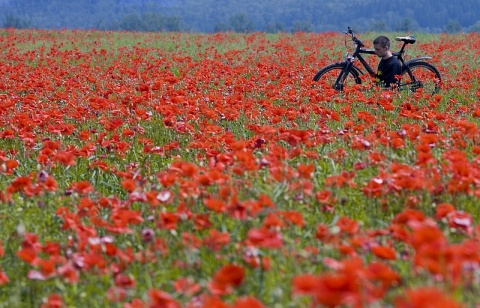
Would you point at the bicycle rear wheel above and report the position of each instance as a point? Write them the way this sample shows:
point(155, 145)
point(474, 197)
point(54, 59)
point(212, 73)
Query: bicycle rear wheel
point(423, 76)
point(327, 77)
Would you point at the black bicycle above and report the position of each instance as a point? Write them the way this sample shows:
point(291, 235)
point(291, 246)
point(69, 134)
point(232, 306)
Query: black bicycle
point(416, 73)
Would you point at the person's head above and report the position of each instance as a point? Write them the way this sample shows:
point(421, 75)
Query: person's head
point(382, 47)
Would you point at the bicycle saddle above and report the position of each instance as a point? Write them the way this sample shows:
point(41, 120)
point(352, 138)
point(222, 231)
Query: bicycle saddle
point(407, 39)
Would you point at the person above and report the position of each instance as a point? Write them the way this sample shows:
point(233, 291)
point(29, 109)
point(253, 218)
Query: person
point(389, 65)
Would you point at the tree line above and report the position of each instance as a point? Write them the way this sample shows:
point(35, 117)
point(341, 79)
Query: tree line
point(244, 15)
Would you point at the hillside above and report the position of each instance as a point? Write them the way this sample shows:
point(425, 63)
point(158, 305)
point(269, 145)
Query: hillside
point(244, 15)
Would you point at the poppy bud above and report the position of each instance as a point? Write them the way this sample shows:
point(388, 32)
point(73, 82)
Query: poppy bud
point(42, 176)
point(147, 235)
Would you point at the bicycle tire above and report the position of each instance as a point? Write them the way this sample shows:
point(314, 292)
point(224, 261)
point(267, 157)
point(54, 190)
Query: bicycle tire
point(329, 74)
point(427, 77)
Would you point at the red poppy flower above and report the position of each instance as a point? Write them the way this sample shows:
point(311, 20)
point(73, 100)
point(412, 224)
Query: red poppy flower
point(294, 217)
point(186, 286)
point(216, 240)
point(225, 278)
point(215, 205)
point(384, 252)
point(124, 281)
point(129, 185)
point(426, 297)
point(54, 301)
point(305, 284)
point(65, 158)
point(161, 299)
point(248, 302)
point(347, 225)
point(82, 187)
point(443, 209)
point(3, 278)
point(264, 237)
point(212, 301)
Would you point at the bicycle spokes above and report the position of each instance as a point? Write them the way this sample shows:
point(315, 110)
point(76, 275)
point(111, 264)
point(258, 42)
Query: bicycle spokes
point(422, 76)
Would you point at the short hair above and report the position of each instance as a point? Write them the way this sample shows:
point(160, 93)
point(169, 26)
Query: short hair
point(382, 41)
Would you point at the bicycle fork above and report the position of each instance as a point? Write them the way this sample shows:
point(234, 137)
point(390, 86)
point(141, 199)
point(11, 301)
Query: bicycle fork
point(344, 73)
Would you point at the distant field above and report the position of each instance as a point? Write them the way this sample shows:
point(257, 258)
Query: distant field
point(188, 170)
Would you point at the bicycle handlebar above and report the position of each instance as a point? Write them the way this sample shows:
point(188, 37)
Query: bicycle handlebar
point(354, 39)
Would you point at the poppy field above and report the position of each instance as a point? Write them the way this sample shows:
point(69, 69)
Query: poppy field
point(208, 170)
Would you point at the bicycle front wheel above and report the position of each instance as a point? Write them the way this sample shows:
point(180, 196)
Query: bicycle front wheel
point(331, 77)
point(422, 75)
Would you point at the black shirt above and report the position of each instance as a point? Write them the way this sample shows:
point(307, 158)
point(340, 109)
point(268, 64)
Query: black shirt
point(387, 69)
